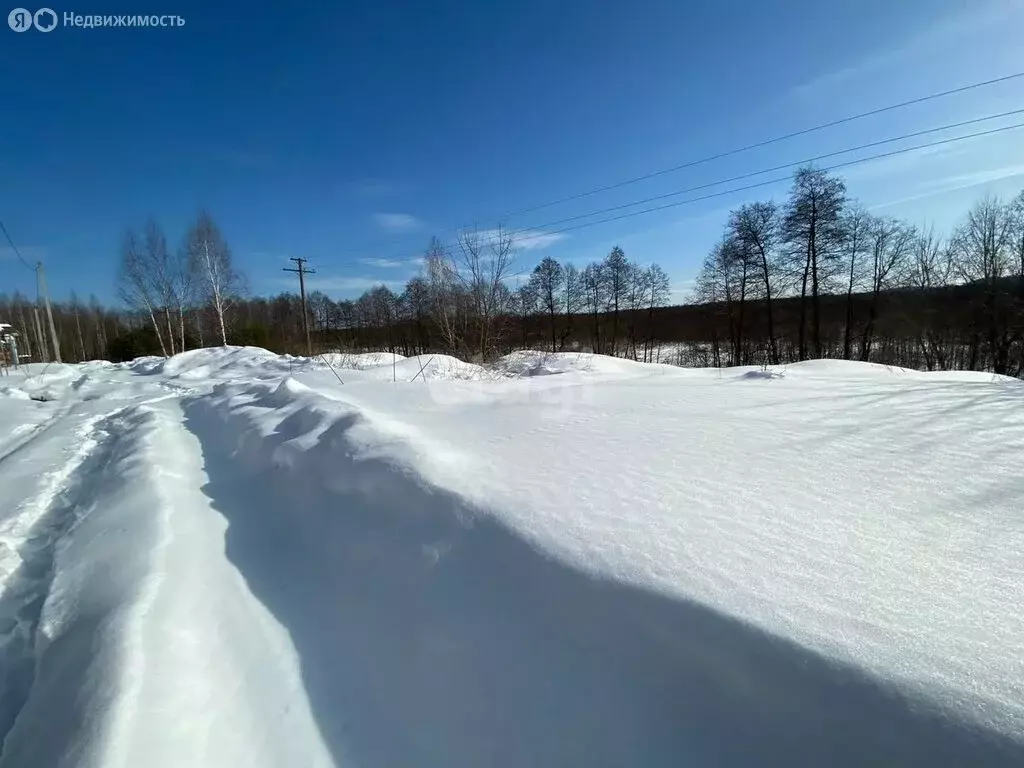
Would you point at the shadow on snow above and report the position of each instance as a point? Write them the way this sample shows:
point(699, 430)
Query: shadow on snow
point(432, 636)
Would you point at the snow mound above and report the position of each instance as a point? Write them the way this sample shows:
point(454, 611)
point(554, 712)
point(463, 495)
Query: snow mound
point(767, 375)
point(437, 368)
point(352, 361)
point(199, 363)
point(854, 369)
point(144, 365)
point(458, 589)
point(48, 381)
point(14, 393)
point(213, 362)
point(524, 363)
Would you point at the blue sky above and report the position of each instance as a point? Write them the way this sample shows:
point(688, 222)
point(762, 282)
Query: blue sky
point(349, 133)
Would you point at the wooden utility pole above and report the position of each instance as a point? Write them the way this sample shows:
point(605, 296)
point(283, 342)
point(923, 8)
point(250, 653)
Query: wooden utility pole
point(44, 355)
point(41, 288)
point(302, 272)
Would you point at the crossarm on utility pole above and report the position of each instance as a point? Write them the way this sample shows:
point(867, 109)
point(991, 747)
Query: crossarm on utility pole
point(302, 271)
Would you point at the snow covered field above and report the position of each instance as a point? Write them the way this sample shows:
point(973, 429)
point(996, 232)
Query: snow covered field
point(230, 558)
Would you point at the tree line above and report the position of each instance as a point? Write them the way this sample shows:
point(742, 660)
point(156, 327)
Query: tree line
point(813, 275)
point(817, 275)
point(468, 302)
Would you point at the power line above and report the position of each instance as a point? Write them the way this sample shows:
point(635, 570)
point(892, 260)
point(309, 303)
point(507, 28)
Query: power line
point(780, 179)
point(746, 148)
point(768, 142)
point(806, 161)
point(42, 297)
point(903, 150)
point(15, 248)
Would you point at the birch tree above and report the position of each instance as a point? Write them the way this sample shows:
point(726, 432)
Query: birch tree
point(210, 260)
point(138, 286)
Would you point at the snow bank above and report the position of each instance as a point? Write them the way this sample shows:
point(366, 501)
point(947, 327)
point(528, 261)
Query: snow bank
point(359, 361)
point(14, 393)
point(534, 363)
point(616, 565)
point(43, 381)
point(504, 593)
point(854, 369)
point(203, 363)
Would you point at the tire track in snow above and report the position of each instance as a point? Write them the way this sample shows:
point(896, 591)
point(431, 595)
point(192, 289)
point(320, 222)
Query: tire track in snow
point(38, 527)
point(32, 535)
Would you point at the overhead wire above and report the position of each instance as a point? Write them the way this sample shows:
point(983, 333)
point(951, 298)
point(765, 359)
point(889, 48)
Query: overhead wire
point(781, 179)
point(805, 161)
point(744, 148)
point(15, 248)
point(775, 140)
point(531, 233)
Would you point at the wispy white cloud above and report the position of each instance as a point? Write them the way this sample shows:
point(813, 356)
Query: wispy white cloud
point(523, 239)
point(397, 222)
point(968, 153)
point(955, 182)
point(979, 22)
point(392, 263)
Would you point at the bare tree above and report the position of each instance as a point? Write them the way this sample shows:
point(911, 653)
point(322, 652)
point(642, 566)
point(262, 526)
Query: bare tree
point(546, 282)
point(137, 286)
point(738, 264)
point(100, 333)
point(857, 223)
point(1016, 213)
point(484, 264)
point(574, 299)
point(1017, 218)
point(525, 300)
point(890, 243)
point(930, 268)
point(982, 248)
point(658, 295)
point(76, 309)
point(416, 298)
point(618, 275)
point(712, 288)
point(183, 281)
point(756, 227)
point(594, 286)
point(445, 296)
point(636, 298)
point(163, 274)
point(812, 228)
point(210, 259)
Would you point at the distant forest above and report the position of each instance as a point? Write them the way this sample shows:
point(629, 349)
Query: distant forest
point(812, 276)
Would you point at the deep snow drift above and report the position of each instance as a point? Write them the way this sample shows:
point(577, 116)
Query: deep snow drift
point(231, 558)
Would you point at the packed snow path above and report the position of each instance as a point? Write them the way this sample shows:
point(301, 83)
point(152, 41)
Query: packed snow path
point(231, 559)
